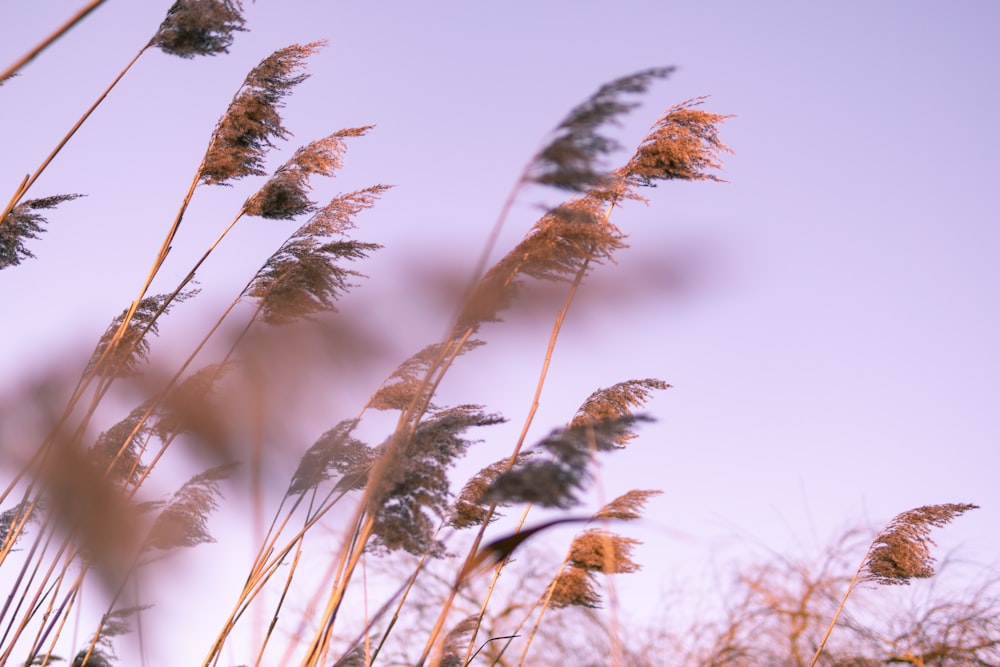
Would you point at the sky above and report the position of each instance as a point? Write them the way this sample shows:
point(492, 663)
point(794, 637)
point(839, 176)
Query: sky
point(827, 316)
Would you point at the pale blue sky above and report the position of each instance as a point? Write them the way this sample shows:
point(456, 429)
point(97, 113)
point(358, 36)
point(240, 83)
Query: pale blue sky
point(834, 355)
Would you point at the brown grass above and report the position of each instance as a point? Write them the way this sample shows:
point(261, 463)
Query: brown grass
point(86, 501)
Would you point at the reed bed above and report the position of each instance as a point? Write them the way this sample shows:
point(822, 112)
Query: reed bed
point(411, 556)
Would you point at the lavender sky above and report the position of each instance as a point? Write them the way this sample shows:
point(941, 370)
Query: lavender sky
point(831, 329)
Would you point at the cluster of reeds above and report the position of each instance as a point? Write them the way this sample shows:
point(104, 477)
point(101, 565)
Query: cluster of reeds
point(773, 607)
point(78, 508)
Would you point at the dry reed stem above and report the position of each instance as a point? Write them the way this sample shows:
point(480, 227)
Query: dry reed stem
point(60, 620)
point(529, 419)
point(363, 519)
point(32, 605)
point(263, 569)
point(278, 606)
point(30, 179)
point(45, 43)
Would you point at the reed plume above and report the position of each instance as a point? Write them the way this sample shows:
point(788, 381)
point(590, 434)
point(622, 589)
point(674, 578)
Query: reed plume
point(101, 650)
point(627, 507)
point(415, 487)
point(14, 518)
point(603, 423)
point(123, 354)
point(22, 223)
point(453, 651)
point(183, 522)
point(286, 194)
point(334, 451)
point(566, 241)
point(353, 658)
point(899, 553)
point(304, 278)
point(252, 122)
point(683, 144)
point(402, 388)
point(119, 449)
point(470, 508)
point(199, 27)
point(615, 402)
point(556, 481)
point(337, 217)
point(572, 159)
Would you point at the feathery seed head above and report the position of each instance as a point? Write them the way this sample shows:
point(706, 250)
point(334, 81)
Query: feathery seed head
point(901, 552)
point(400, 389)
point(335, 451)
point(456, 640)
point(555, 481)
point(568, 239)
point(684, 144)
point(184, 520)
point(120, 446)
point(575, 587)
point(199, 27)
point(286, 194)
point(252, 122)
point(572, 159)
point(113, 624)
point(468, 509)
point(133, 347)
point(303, 278)
point(598, 550)
point(627, 507)
point(337, 217)
point(13, 518)
point(415, 486)
point(22, 223)
point(353, 658)
point(617, 401)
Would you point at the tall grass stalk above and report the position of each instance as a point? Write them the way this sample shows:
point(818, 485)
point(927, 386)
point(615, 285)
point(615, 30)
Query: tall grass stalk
point(87, 508)
point(45, 43)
